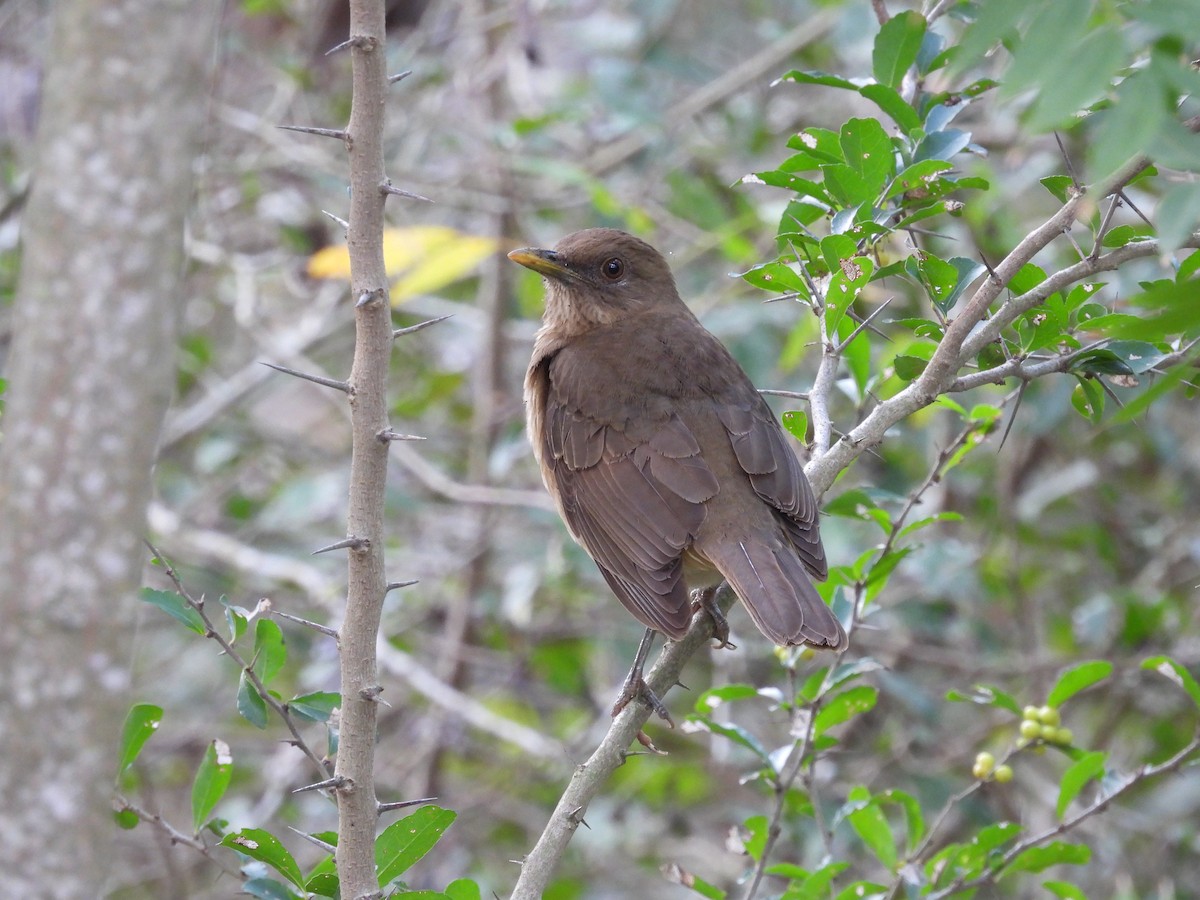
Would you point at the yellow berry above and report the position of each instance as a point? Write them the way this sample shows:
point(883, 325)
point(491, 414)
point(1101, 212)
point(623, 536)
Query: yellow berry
point(1030, 712)
point(1064, 736)
point(1049, 733)
point(984, 762)
point(1004, 774)
point(1031, 729)
point(1048, 715)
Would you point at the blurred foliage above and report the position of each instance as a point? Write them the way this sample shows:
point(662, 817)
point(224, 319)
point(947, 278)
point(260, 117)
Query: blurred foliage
point(1022, 559)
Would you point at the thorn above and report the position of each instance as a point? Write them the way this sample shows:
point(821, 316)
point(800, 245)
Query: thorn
point(413, 329)
point(394, 585)
point(388, 435)
point(400, 76)
point(324, 629)
point(1013, 417)
point(337, 782)
point(388, 188)
point(342, 386)
point(352, 543)
point(1133, 206)
point(312, 839)
point(366, 298)
point(1067, 159)
point(371, 694)
point(349, 42)
point(402, 804)
point(644, 740)
point(991, 272)
point(339, 133)
point(866, 323)
point(337, 219)
point(794, 395)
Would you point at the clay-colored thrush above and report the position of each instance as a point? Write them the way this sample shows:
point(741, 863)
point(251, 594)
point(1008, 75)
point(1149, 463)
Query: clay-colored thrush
point(665, 462)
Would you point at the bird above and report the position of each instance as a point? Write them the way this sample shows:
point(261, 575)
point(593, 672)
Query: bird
point(664, 461)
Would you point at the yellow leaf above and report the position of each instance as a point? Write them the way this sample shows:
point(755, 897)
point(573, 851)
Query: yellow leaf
point(422, 259)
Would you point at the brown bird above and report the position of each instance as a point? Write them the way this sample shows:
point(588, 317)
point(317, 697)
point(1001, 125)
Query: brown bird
point(666, 464)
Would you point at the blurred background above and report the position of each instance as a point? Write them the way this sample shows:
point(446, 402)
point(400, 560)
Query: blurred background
point(523, 122)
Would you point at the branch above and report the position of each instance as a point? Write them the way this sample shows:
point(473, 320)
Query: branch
point(1144, 773)
point(538, 866)
point(211, 632)
point(962, 341)
point(358, 807)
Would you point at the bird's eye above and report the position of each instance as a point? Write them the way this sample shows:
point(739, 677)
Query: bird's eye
point(613, 269)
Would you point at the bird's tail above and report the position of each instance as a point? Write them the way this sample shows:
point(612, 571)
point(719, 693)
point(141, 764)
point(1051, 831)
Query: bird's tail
point(779, 595)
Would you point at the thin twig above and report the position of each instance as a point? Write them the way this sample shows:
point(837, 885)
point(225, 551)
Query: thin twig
point(211, 632)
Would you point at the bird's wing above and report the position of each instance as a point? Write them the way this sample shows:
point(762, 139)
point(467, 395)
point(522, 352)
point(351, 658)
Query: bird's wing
point(775, 473)
point(634, 500)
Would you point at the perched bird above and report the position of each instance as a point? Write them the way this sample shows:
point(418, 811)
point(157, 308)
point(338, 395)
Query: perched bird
point(665, 462)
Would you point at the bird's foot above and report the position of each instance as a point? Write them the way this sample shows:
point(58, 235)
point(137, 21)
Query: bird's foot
point(635, 688)
point(706, 599)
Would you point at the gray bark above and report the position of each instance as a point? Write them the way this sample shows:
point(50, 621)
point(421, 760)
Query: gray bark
point(89, 380)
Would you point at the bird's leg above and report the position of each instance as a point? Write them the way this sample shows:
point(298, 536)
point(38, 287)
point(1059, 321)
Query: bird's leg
point(635, 685)
point(706, 599)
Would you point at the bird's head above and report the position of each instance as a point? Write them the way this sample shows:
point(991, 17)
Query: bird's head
point(598, 276)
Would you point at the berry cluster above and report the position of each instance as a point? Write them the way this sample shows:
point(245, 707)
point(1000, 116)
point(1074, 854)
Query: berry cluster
point(1043, 723)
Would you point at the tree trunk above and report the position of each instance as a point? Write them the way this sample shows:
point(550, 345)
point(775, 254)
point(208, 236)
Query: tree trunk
point(89, 380)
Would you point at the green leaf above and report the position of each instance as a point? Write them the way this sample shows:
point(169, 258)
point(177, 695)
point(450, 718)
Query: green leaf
point(814, 886)
point(986, 695)
point(941, 145)
point(913, 817)
point(210, 783)
point(889, 100)
point(1088, 399)
point(796, 423)
point(909, 368)
point(1064, 890)
point(777, 278)
point(868, 150)
point(814, 76)
point(1169, 668)
point(1058, 185)
point(718, 696)
point(317, 706)
point(871, 825)
point(843, 707)
point(917, 177)
point(404, 842)
point(236, 618)
point(896, 47)
point(1080, 72)
point(270, 652)
point(142, 721)
point(463, 889)
point(175, 606)
point(1178, 213)
point(735, 733)
point(1078, 678)
point(250, 704)
point(267, 889)
point(1037, 859)
point(929, 520)
point(1083, 770)
point(263, 846)
point(759, 830)
point(1155, 392)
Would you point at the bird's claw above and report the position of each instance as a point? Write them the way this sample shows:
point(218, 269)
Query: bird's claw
point(635, 688)
point(706, 600)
